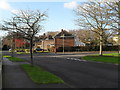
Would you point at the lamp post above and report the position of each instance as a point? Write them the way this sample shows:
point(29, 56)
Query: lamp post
point(43, 45)
point(1, 56)
point(63, 43)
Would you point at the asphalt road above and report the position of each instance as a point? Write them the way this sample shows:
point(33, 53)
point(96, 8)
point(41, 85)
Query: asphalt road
point(76, 73)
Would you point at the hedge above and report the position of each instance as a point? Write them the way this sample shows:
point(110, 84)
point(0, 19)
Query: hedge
point(87, 48)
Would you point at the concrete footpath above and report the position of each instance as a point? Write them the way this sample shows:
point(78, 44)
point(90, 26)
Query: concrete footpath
point(15, 77)
point(0, 74)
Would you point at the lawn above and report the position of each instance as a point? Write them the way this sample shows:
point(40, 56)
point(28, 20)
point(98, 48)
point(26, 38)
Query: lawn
point(14, 59)
point(108, 58)
point(39, 75)
point(112, 54)
point(34, 52)
point(22, 52)
point(43, 51)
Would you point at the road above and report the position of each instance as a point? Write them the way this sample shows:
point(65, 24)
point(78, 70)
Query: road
point(77, 73)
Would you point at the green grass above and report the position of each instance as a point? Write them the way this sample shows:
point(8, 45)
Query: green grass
point(29, 52)
point(22, 52)
point(41, 51)
point(111, 58)
point(39, 75)
point(112, 54)
point(14, 59)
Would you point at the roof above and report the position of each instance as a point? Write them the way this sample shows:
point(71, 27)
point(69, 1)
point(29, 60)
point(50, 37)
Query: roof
point(49, 38)
point(65, 33)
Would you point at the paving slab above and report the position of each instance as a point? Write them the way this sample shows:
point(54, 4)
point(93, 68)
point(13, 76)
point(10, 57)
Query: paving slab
point(0, 75)
point(15, 77)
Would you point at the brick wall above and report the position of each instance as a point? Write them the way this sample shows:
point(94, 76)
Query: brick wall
point(68, 42)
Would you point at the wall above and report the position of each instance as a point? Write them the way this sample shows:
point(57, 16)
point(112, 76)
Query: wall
point(68, 42)
point(46, 43)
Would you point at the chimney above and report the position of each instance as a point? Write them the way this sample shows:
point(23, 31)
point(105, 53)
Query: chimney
point(62, 30)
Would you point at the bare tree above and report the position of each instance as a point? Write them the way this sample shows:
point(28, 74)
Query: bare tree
point(115, 7)
point(29, 23)
point(51, 33)
point(95, 16)
point(85, 36)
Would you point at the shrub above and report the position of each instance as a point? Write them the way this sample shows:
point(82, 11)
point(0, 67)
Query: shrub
point(87, 48)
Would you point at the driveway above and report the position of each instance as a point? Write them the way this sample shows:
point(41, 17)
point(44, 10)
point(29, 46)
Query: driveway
point(76, 73)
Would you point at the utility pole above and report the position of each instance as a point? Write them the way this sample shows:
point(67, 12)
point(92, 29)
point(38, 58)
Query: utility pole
point(1, 58)
point(43, 45)
point(63, 44)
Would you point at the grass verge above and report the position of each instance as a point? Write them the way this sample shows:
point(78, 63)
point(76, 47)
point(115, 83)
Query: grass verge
point(108, 58)
point(112, 54)
point(14, 59)
point(39, 75)
point(22, 52)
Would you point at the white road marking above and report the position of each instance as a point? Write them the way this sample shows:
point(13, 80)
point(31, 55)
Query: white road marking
point(116, 64)
point(76, 59)
point(89, 61)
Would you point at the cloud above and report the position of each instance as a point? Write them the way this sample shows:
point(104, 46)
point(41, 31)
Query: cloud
point(14, 11)
point(4, 5)
point(45, 0)
point(103, 0)
point(71, 5)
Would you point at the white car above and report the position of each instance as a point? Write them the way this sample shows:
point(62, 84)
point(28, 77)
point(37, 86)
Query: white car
point(10, 50)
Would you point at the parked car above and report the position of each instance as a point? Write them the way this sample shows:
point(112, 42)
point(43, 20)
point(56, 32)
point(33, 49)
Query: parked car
point(38, 50)
point(10, 50)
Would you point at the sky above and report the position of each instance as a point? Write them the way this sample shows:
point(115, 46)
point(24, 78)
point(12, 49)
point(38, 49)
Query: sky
point(60, 14)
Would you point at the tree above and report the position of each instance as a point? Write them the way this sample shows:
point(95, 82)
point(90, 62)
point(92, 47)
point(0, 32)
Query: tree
point(28, 23)
point(52, 33)
point(115, 7)
point(85, 36)
point(94, 16)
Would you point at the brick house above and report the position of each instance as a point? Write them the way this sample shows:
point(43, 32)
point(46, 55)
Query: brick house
point(21, 43)
point(52, 43)
point(16, 40)
point(45, 43)
point(64, 39)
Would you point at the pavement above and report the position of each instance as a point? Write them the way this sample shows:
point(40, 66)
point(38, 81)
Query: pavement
point(0, 75)
point(76, 73)
point(15, 77)
point(0, 69)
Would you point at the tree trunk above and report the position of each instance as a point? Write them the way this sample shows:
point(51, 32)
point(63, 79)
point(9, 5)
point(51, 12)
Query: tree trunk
point(101, 44)
point(119, 42)
point(12, 48)
point(31, 54)
point(118, 49)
